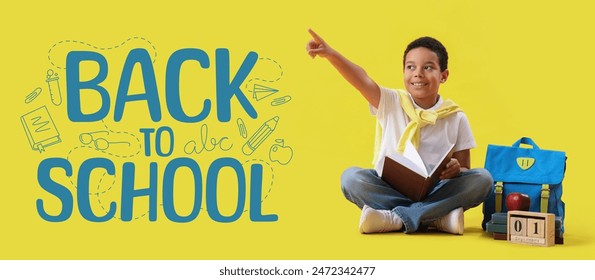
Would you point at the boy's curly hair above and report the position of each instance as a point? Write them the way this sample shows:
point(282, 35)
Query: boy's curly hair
point(431, 44)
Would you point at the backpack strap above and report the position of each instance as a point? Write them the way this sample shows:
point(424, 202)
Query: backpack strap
point(498, 189)
point(545, 196)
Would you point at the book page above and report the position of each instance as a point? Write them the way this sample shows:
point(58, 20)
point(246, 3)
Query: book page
point(448, 153)
point(411, 153)
point(410, 159)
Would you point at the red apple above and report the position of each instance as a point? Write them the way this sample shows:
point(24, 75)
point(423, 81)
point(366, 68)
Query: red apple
point(518, 201)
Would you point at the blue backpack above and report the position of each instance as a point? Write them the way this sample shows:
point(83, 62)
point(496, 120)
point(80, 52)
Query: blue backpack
point(535, 172)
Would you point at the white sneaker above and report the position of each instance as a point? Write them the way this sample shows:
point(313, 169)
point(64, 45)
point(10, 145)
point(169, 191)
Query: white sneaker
point(372, 221)
point(453, 222)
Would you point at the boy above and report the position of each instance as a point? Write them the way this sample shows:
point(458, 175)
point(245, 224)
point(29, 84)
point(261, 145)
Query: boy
point(421, 116)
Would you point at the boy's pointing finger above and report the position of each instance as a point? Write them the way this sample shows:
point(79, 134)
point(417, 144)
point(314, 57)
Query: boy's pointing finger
point(315, 36)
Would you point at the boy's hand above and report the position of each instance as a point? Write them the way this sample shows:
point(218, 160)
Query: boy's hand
point(317, 46)
point(453, 168)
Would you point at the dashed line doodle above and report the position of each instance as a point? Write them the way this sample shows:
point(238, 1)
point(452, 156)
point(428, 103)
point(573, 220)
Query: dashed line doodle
point(272, 79)
point(77, 42)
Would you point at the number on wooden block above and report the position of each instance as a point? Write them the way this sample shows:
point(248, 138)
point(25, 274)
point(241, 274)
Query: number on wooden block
point(536, 228)
point(518, 226)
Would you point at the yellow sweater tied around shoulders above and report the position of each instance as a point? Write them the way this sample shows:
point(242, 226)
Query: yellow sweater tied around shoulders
point(418, 119)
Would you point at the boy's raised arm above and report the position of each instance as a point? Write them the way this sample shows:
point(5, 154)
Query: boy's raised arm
point(353, 73)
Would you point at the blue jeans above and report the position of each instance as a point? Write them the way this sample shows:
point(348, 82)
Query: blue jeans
point(365, 187)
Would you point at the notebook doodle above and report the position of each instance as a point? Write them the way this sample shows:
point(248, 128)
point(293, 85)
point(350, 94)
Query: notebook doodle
point(40, 129)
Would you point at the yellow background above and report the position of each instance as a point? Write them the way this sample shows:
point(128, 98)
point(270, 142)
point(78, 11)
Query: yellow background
point(518, 68)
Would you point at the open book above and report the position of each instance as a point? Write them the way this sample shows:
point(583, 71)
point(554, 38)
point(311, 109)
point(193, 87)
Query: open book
point(407, 173)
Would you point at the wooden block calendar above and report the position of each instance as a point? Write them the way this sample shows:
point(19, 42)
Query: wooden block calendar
point(531, 228)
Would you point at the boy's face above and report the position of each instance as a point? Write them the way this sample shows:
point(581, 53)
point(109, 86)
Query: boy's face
point(423, 76)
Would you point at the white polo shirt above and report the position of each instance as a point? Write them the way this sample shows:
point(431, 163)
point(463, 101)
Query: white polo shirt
point(434, 139)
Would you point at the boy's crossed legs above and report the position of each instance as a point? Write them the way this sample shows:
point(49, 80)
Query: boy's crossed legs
point(385, 209)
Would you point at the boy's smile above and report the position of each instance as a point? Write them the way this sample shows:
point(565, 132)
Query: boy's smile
point(423, 77)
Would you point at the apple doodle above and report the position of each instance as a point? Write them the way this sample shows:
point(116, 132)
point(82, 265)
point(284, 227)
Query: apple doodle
point(280, 153)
